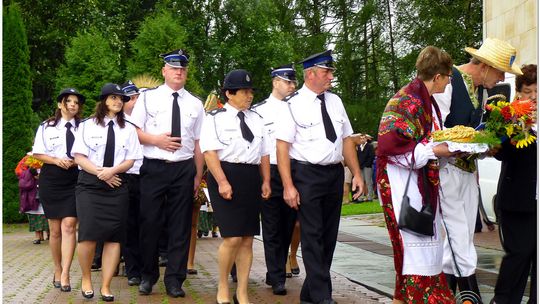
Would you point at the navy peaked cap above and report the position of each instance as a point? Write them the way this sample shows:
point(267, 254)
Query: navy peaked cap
point(129, 88)
point(285, 72)
point(321, 60)
point(178, 58)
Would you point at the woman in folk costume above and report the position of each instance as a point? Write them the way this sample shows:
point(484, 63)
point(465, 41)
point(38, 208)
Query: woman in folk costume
point(404, 137)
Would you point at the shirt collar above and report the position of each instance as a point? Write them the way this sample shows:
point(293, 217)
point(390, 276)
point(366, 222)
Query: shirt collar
point(272, 98)
point(169, 91)
point(107, 119)
point(231, 109)
point(312, 95)
point(63, 122)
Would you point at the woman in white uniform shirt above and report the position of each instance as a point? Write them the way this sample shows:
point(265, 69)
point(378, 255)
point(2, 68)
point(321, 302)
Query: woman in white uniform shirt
point(107, 146)
point(236, 150)
point(53, 143)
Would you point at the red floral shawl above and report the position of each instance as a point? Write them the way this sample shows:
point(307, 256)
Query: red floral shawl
point(406, 121)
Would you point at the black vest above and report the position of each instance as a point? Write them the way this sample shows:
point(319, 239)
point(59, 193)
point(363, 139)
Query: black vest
point(462, 111)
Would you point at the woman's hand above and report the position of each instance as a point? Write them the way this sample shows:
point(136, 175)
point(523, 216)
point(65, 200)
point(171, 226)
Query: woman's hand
point(225, 190)
point(63, 163)
point(441, 150)
point(105, 173)
point(114, 181)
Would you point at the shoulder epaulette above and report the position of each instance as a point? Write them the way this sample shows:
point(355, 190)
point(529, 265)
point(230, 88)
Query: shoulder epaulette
point(215, 111)
point(250, 109)
point(260, 103)
point(44, 122)
point(290, 96)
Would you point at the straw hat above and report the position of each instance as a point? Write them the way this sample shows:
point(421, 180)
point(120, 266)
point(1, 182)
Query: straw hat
point(497, 54)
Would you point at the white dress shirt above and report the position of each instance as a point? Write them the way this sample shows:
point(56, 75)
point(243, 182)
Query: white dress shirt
point(51, 140)
point(153, 114)
point(138, 163)
point(92, 140)
point(221, 132)
point(300, 123)
point(270, 110)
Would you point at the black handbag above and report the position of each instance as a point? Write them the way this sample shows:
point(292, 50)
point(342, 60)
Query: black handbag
point(412, 220)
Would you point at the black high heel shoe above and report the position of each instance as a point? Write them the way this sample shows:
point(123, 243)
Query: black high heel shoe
point(65, 288)
point(87, 294)
point(56, 284)
point(106, 298)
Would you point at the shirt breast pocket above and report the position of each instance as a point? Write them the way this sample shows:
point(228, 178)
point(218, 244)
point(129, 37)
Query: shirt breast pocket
point(189, 119)
point(95, 143)
point(228, 136)
point(155, 116)
point(339, 123)
point(53, 142)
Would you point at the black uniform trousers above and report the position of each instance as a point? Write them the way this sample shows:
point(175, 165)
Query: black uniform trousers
point(519, 235)
point(130, 249)
point(321, 189)
point(166, 193)
point(278, 221)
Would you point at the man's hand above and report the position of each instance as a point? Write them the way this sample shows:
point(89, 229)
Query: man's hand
point(266, 190)
point(166, 142)
point(291, 197)
point(357, 187)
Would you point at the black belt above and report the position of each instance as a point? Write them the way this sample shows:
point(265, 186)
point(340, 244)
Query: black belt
point(164, 161)
point(305, 163)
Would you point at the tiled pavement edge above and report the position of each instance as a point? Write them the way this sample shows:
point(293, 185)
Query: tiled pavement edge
point(27, 276)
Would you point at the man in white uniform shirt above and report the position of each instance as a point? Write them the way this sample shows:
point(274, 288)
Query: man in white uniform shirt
point(278, 218)
point(169, 120)
point(462, 103)
point(313, 137)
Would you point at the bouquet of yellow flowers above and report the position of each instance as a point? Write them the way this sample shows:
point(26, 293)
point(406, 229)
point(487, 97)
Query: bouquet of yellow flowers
point(27, 162)
point(512, 120)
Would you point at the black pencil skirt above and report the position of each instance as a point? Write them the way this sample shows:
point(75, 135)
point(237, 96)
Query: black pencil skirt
point(102, 210)
point(57, 191)
point(239, 216)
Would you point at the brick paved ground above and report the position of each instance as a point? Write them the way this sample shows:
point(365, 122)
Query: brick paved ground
point(27, 276)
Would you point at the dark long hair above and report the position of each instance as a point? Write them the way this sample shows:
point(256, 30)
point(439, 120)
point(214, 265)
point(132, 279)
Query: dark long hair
point(53, 121)
point(101, 112)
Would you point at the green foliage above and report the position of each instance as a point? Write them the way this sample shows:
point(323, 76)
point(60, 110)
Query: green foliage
point(16, 107)
point(90, 63)
point(362, 208)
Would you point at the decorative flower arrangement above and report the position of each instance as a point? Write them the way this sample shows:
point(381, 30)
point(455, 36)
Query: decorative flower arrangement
point(512, 120)
point(28, 161)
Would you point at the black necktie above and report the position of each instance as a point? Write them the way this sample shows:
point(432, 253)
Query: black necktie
point(175, 127)
point(246, 132)
point(108, 159)
point(70, 139)
point(328, 127)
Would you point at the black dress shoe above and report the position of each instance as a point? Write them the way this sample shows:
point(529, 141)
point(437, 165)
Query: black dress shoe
point(145, 287)
point(176, 292)
point(134, 281)
point(36, 242)
point(87, 294)
point(192, 271)
point(163, 262)
point(295, 271)
point(95, 266)
point(279, 289)
point(65, 288)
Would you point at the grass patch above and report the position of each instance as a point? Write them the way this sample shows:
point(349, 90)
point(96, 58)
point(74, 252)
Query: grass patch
point(362, 208)
point(10, 228)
